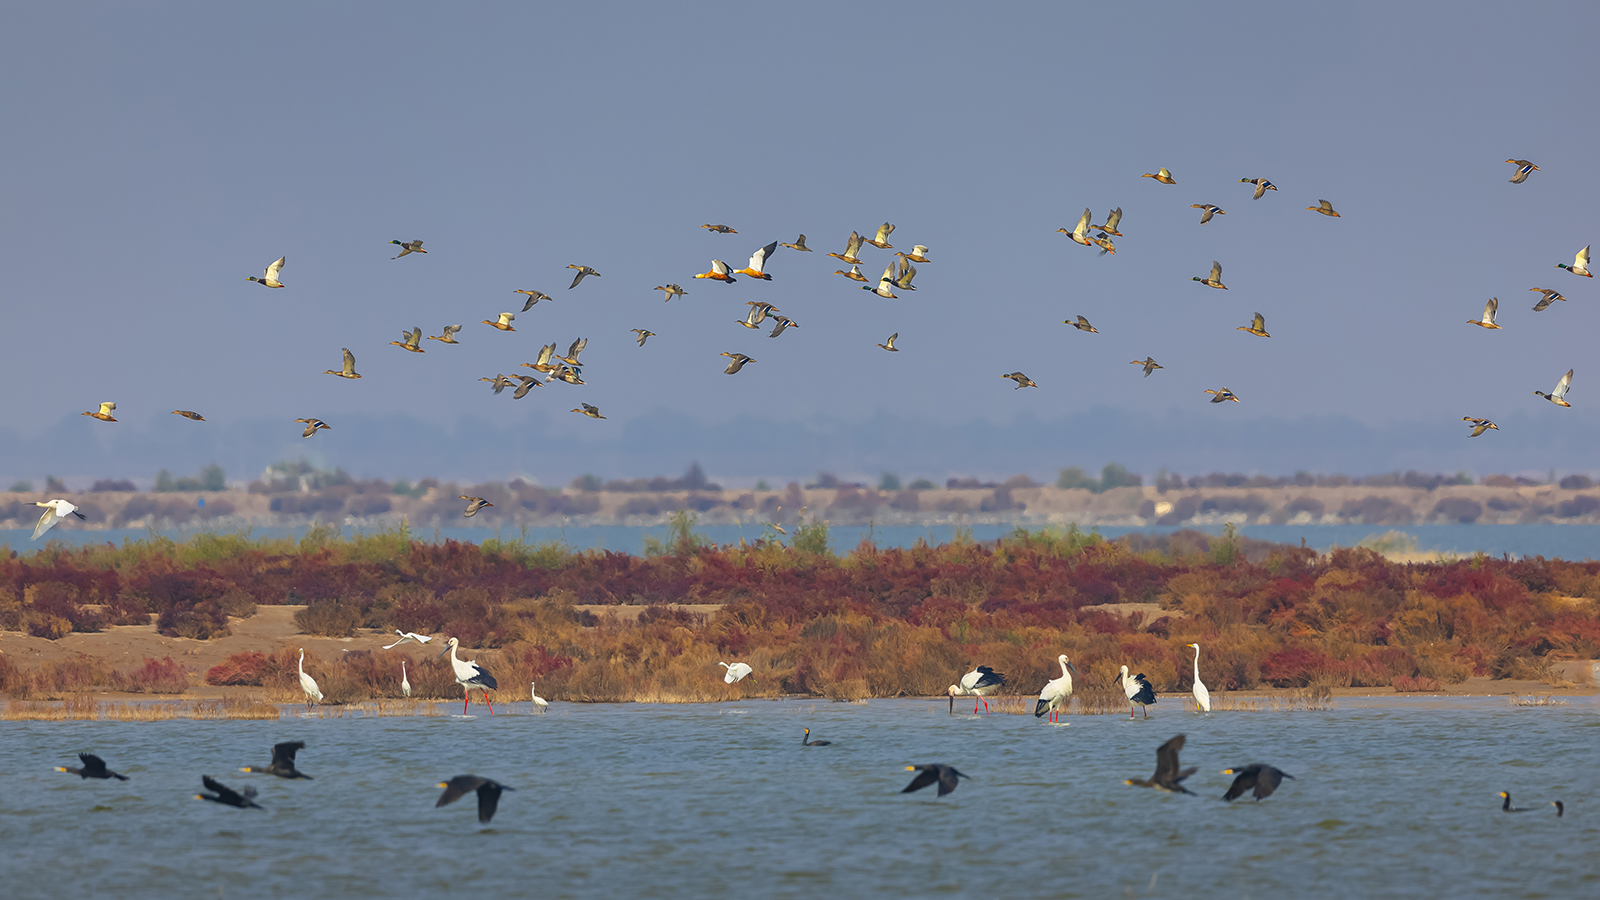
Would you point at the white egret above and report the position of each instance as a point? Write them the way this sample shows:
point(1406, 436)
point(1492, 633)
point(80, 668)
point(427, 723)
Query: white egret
point(54, 511)
point(405, 683)
point(307, 683)
point(542, 703)
point(470, 675)
point(980, 682)
point(1056, 691)
point(1202, 697)
point(408, 637)
point(1139, 691)
point(737, 672)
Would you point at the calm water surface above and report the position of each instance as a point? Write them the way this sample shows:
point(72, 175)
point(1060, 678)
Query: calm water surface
point(1552, 541)
point(1393, 799)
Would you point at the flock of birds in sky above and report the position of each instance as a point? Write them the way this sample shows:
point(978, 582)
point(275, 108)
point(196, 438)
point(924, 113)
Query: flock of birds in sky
point(898, 274)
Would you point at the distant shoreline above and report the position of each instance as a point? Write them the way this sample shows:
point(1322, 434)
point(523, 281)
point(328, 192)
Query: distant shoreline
point(520, 504)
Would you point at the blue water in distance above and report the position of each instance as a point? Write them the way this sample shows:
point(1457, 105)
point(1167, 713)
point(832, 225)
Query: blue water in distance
point(1394, 798)
point(1574, 542)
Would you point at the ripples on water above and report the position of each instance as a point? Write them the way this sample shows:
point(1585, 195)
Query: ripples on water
point(1394, 799)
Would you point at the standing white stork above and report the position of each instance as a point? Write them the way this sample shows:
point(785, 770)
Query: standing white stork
point(469, 675)
point(405, 683)
point(1139, 690)
point(736, 672)
point(1056, 691)
point(1202, 697)
point(307, 683)
point(980, 682)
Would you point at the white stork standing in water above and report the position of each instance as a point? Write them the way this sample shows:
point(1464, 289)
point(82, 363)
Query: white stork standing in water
point(736, 672)
point(1202, 697)
point(1139, 691)
point(1056, 691)
point(980, 682)
point(469, 675)
point(307, 683)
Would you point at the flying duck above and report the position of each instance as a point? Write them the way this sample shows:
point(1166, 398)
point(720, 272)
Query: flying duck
point(269, 278)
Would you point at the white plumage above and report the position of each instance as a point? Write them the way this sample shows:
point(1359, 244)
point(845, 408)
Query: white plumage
point(307, 683)
point(736, 672)
point(470, 675)
point(54, 511)
point(980, 682)
point(1202, 697)
point(408, 637)
point(1056, 691)
point(1139, 690)
point(542, 703)
point(405, 683)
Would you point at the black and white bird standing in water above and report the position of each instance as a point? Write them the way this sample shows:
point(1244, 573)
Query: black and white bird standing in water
point(227, 796)
point(282, 761)
point(980, 683)
point(1260, 778)
point(806, 741)
point(1056, 692)
point(471, 675)
point(1139, 691)
point(928, 773)
point(1168, 776)
point(488, 793)
point(93, 767)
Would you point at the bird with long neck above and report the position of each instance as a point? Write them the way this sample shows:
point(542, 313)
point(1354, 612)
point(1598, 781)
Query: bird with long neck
point(469, 675)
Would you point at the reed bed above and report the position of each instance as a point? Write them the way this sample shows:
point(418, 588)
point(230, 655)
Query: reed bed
point(85, 707)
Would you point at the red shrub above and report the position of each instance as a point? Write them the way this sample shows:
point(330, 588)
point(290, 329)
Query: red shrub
point(1296, 667)
point(154, 676)
point(1408, 684)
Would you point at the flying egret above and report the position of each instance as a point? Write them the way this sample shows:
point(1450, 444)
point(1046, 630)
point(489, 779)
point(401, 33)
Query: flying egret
point(405, 683)
point(1202, 697)
point(1139, 691)
point(542, 703)
point(980, 682)
point(488, 793)
point(1055, 693)
point(54, 511)
point(93, 767)
point(1262, 779)
point(736, 673)
point(282, 761)
point(1168, 776)
point(469, 675)
point(307, 684)
point(408, 637)
point(928, 773)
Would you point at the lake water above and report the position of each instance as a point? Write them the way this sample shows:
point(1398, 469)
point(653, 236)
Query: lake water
point(1394, 798)
point(1551, 541)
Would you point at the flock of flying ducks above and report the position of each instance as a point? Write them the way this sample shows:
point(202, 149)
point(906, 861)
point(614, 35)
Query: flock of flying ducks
point(1100, 235)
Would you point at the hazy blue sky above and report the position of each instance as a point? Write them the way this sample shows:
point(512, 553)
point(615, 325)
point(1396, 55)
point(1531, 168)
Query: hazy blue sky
point(156, 155)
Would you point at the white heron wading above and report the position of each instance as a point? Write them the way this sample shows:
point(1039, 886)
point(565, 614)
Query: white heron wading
point(405, 683)
point(307, 683)
point(542, 703)
point(1202, 697)
point(1056, 691)
point(469, 675)
point(980, 683)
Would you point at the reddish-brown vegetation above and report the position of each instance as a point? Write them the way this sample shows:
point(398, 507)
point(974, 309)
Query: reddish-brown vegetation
point(874, 622)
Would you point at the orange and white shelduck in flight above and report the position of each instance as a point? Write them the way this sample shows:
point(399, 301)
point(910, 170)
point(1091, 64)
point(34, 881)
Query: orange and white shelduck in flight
point(719, 272)
point(758, 260)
